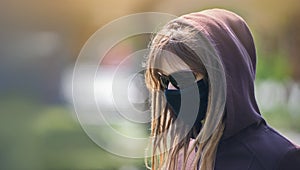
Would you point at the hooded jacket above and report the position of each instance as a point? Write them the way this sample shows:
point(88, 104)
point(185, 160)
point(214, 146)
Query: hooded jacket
point(248, 143)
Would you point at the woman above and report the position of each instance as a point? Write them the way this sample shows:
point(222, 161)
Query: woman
point(200, 72)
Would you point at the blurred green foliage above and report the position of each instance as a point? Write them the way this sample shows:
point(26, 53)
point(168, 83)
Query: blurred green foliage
point(275, 66)
point(38, 136)
point(272, 66)
point(281, 118)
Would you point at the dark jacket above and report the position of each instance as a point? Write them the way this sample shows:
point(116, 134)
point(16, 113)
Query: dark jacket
point(257, 147)
point(248, 143)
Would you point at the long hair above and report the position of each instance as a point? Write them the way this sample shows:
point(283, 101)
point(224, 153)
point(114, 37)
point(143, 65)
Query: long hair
point(171, 140)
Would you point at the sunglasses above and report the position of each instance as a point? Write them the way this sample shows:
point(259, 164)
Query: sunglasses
point(179, 79)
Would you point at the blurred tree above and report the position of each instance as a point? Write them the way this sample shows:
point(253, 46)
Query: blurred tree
point(291, 38)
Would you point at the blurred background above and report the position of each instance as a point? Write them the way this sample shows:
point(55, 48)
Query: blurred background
point(40, 41)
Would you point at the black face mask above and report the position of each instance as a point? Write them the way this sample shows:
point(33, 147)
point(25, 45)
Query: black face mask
point(173, 97)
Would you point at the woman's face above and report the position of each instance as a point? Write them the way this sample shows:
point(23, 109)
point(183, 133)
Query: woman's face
point(172, 64)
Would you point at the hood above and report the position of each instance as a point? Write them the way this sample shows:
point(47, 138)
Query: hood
point(234, 43)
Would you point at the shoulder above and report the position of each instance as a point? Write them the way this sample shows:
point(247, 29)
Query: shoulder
point(269, 147)
point(291, 160)
point(258, 146)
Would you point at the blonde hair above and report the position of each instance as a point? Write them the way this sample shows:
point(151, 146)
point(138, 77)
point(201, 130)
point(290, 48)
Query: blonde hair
point(171, 139)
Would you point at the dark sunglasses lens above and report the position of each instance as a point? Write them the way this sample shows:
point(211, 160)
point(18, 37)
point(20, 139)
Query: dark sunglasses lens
point(182, 79)
point(178, 79)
